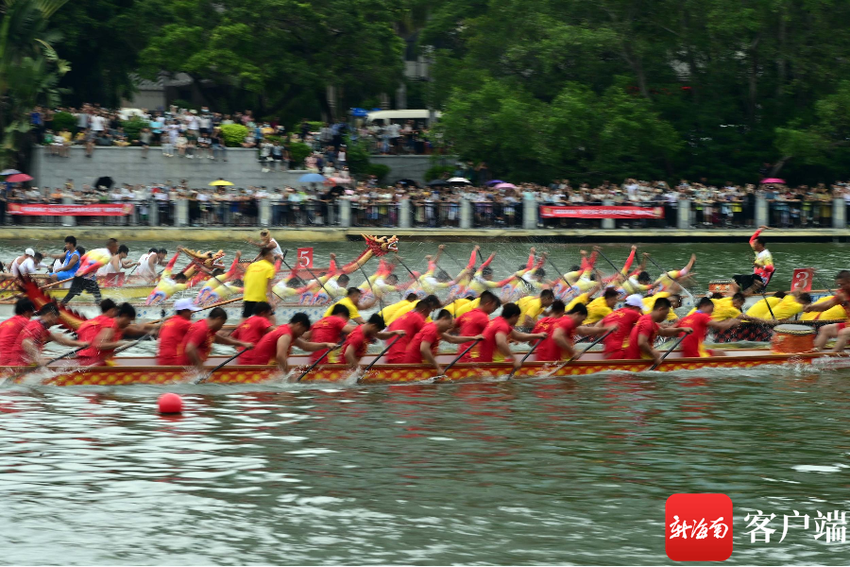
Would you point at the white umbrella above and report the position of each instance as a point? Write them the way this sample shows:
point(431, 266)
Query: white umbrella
point(463, 180)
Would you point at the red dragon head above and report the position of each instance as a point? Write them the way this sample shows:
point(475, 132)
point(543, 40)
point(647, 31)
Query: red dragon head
point(381, 245)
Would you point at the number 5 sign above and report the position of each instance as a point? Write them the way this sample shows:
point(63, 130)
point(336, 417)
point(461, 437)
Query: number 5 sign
point(802, 280)
point(305, 257)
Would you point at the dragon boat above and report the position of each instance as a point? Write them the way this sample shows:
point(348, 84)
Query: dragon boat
point(307, 299)
point(130, 370)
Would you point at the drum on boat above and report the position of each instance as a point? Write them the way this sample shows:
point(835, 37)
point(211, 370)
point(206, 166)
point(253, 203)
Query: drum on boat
point(789, 339)
point(720, 286)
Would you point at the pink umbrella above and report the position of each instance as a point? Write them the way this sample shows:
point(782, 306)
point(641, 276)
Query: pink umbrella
point(505, 186)
point(773, 180)
point(18, 178)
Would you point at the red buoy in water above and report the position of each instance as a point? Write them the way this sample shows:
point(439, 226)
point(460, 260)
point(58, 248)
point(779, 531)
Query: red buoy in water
point(170, 403)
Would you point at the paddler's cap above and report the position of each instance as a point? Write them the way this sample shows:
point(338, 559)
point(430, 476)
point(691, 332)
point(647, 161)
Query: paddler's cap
point(29, 252)
point(635, 300)
point(185, 304)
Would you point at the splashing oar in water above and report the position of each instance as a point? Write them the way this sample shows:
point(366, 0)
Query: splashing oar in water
point(321, 358)
point(455, 361)
point(524, 358)
point(209, 374)
point(377, 358)
point(578, 355)
point(668, 351)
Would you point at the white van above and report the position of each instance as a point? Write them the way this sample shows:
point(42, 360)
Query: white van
point(386, 117)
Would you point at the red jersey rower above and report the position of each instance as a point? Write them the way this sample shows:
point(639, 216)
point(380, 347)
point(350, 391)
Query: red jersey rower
point(173, 332)
point(473, 323)
point(700, 322)
point(495, 345)
point(104, 333)
point(624, 319)
point(411, 323)
point(31, 340)
point(423, 346)
point(357, 342)
point(275, 346)
point(11, 328)
point(330, 329)
point(646, 330)
point(558, 344)
point(197, 344)
point(255, 327)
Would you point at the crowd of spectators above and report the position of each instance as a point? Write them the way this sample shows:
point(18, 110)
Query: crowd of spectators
point(438, 204)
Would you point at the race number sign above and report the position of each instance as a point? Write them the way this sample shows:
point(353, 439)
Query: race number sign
point(802, 280)
point(305, 257)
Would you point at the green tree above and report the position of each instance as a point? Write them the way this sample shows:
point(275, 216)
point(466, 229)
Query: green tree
point(29, 71)
point(101, 39)
point(280, 56)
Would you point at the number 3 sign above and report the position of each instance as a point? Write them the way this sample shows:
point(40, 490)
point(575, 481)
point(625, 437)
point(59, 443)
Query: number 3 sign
point(305, 257)
point(802, 280)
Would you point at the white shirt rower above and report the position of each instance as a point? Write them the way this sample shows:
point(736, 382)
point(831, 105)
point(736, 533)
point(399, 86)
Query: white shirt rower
point(26, 264)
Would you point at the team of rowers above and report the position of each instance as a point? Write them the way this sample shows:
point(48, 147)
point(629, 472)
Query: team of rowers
point(559, 311)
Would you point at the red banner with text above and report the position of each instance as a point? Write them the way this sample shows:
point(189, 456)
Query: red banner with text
point(95, 210)
point(603, 212)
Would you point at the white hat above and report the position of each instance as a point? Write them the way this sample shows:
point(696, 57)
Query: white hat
point(635, 300)
point(29, 252)
point(184, 304)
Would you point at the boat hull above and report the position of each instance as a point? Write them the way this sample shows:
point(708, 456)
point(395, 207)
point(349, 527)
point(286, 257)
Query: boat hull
point(405, 373)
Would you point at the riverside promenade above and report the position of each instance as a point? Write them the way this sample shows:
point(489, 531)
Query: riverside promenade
point(448, 234)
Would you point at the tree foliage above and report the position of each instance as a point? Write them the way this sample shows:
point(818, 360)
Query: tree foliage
point(279, 56)
point(726, 84)
point(30, 70)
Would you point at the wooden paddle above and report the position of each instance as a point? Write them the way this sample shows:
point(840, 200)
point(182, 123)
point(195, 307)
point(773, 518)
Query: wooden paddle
point(455, 361)
point(377, 358)
point(54, 284)
point(524, 358)
point(321, 358)
point(580, 354)
point(209, 374)
point(671, 349)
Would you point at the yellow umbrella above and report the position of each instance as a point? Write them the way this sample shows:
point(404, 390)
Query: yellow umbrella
point(221, 183)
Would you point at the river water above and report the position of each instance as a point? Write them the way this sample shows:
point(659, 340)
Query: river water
point(564, 471)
